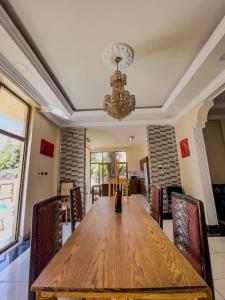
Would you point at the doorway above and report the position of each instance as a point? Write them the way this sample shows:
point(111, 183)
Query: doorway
point(214, 136)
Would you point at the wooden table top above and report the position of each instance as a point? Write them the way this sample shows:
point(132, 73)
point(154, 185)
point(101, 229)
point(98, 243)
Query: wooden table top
point(119, 253)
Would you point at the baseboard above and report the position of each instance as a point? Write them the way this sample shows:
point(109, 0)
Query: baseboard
point(213, 230)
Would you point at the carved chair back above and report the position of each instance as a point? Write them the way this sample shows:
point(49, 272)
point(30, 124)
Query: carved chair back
point(190, 234)
point(46, 238)
point(76, 207)
point(157, 205)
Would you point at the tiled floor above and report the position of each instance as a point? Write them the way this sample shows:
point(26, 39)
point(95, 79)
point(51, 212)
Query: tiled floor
point(14, 278)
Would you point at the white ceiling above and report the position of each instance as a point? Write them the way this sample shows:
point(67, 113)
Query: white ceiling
point(177, 45)
point(116, 138)
point(165, 36)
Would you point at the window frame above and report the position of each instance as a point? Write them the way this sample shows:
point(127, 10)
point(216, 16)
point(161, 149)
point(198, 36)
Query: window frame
point(115, 162)
point(23, 139)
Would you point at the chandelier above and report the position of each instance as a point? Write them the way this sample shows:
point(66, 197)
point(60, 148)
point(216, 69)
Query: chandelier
point(120, 104)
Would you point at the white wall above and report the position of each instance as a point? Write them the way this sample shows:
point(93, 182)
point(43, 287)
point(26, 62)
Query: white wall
point(194, 170)
point(189, 167)
point(37, 187)
point(134, 155)
point(215, 148)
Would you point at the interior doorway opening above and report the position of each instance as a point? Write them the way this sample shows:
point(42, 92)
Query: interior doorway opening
point(214, 136)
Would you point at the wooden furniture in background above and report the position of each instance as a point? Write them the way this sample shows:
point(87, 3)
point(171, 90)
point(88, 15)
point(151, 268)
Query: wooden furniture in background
point(46, 237)
point(124, 255)
point(65, 188)
point(135, 186)
point(143, 161)
point(157, 205)
point(190, 234)
point(95, 192)
point(123, 185)
point(142, 187)
point(76, 210)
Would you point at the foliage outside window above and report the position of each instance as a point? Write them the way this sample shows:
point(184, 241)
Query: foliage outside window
point(105, 165)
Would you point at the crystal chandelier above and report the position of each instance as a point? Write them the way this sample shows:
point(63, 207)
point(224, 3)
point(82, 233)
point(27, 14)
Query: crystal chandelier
point(120, 104)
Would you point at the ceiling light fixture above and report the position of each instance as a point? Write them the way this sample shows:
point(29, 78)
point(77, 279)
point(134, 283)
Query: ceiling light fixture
point(131, 138)
point(120, 104)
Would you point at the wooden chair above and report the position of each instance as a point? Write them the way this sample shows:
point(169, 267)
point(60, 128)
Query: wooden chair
point(65, 188)
point(76, 212)
point(190, 234)
point(123, 185)
point(157, 205)
point(95, 192)
point(46, 238)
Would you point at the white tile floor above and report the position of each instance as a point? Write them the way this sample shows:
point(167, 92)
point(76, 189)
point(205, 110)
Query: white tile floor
point(14, 279)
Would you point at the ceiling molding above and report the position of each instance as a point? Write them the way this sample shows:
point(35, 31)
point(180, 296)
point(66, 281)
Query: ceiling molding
point(12, 73)
point(88, 113)
point(18, 38)
point(52, 118)
point(169, 121)
point(213, 40)
point(211, 91)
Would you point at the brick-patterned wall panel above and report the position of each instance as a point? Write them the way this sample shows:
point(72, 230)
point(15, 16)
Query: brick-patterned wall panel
point(163, 159)
point(72, 163)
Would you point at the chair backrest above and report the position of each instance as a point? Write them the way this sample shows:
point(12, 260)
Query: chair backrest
point(190, 234)
point(157, 205)
point(95, 192)
point(114, 182)
point(46, 238)
point(76, 207)
point(65, 188)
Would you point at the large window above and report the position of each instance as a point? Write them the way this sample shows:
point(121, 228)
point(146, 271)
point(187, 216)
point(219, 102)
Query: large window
point(13, 132)
point(105, 165)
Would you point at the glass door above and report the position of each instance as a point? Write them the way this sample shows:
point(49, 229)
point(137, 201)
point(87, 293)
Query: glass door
point(13, 132)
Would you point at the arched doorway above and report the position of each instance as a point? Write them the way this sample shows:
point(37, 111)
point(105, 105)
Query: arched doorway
point(214, 137)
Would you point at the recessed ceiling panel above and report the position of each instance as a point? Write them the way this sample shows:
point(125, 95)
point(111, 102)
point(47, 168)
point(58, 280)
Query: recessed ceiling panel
point(165, 36)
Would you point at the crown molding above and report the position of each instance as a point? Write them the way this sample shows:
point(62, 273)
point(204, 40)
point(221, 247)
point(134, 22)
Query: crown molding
point(18, 38)
point(52, 118)
point(212, 42)
point(169, 121)
point(213, 89)
point(12, 73)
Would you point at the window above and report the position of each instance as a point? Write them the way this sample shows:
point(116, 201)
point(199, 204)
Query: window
point(105, 165)
point(13, 132)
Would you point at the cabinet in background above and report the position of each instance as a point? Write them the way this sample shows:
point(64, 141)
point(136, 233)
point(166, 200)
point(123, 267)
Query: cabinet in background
point(135, 186)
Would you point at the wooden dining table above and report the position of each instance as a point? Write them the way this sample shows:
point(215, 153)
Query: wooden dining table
point(119, 255)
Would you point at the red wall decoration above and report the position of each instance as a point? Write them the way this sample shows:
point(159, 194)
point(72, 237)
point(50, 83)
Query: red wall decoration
point(184, 146)
point(47, 148)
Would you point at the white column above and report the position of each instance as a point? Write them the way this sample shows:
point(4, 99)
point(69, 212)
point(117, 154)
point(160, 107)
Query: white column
point(209, 203)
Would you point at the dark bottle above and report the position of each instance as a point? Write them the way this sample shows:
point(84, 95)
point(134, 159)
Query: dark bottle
point(118, 202)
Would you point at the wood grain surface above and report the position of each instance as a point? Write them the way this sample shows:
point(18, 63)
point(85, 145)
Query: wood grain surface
point(118, 255)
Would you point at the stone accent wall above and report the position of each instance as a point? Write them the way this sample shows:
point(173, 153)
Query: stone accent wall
point(72, 161)
point(163, 159)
